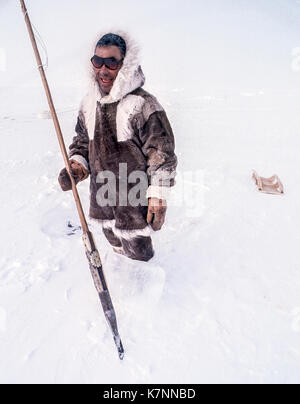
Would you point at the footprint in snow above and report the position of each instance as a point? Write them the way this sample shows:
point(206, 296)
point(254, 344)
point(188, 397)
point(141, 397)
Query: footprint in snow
point(72, 229)
point(55, 225)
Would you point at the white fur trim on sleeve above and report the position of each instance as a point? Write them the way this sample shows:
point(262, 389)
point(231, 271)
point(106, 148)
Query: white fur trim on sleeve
point(158, 192)
point(80, 159)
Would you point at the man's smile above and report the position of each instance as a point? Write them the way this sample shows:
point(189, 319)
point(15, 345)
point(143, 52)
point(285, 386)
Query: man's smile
point(106, 80)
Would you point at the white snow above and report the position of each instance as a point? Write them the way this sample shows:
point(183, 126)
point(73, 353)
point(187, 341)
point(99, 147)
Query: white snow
point(220, 302)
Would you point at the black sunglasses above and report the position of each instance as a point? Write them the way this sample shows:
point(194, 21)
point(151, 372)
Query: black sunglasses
point(110, 63)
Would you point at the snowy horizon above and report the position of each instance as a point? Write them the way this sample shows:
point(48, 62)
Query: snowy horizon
point(244, 44)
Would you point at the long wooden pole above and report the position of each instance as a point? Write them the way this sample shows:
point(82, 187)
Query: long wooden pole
point(90, 246)
point(54, 117)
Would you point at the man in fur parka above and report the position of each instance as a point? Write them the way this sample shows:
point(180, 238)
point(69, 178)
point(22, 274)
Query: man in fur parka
point(125, 144)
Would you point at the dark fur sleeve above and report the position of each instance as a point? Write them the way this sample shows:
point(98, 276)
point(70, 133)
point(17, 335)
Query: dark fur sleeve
point(79, 149)
point(159, 147)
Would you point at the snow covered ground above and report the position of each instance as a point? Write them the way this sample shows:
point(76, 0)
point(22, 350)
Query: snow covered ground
point(220, 302)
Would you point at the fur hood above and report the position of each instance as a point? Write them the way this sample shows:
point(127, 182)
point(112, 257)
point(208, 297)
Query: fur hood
point(129, 78)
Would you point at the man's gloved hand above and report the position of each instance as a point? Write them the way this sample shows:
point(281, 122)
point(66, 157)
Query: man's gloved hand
point(79, 173)
point(156, 213)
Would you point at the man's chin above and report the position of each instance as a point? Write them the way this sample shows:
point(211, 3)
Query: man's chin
point(105, 88)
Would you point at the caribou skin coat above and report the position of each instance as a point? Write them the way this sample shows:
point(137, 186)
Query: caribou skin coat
point(126, 126)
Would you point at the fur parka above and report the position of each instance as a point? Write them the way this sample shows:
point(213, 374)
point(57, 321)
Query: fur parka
point(127, 126)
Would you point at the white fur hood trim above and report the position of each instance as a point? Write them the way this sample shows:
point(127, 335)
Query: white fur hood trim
point(129, 78)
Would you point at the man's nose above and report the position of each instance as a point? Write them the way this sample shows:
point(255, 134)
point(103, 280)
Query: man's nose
point(103, 68)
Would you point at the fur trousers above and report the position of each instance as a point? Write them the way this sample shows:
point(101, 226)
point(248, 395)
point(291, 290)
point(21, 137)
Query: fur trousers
point(138, 248)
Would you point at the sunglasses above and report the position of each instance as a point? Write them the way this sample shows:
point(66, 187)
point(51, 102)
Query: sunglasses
point(110, 63)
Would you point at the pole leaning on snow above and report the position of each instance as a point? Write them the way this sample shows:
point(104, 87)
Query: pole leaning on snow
point(89, 243)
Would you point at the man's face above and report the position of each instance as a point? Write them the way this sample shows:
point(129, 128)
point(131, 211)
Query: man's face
point(105, 76)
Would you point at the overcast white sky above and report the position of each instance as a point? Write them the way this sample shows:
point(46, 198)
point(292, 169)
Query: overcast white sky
point(186, 43)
